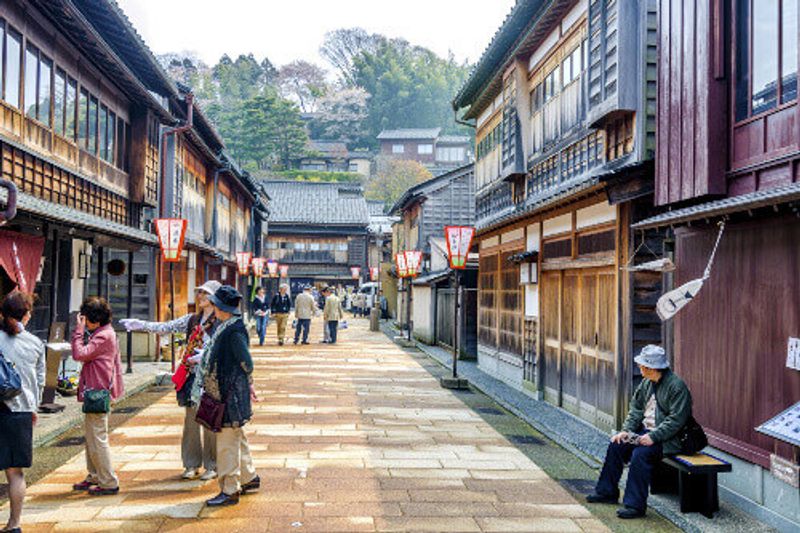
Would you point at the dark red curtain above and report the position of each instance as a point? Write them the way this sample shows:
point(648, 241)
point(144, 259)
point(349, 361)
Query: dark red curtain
point(20, 257)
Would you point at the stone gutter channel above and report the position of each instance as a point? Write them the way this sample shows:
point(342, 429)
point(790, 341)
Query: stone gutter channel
point(583, 440)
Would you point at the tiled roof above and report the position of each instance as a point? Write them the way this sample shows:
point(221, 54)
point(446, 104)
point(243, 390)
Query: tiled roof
point(412, 134)
point(323, 203)
point(59, 213)
point(376, 207)
point(453, 139)
point(753, 200)
point(328, 147)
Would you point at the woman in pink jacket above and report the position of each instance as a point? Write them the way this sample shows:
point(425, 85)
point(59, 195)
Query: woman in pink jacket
point(101, 370)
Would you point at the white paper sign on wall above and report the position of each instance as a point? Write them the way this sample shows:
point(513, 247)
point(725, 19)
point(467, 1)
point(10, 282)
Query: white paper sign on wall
point(793, 354)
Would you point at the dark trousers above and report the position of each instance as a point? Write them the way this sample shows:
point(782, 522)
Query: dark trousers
point(642, 459)
point(261, 328)
point(303, 324)
point(333, 329)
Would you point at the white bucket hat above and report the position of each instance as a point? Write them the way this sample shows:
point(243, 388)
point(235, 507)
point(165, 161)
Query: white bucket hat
point(652, 356)
point(209, 287)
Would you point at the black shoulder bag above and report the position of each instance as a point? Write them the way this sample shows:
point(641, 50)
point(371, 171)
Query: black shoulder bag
point(691, 436)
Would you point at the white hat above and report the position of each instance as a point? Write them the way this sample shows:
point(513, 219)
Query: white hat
point(209, 287)
point(652, 356)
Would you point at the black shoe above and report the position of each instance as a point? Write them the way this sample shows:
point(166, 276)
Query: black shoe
point(629, 512)
point(601, 498)
point(295, 342)
point(252, 485)
point(15, 530)
point(280, 343)
point(222, 499)
point(305, 342)
point(100, 491)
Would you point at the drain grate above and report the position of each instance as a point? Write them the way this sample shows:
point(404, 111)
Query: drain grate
point(71, 441)
point(525, 439)
point(490, 411)
point(581, 486)
point(126, 410)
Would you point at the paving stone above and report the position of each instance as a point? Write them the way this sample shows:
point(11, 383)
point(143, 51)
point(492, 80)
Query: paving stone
point(353, 437)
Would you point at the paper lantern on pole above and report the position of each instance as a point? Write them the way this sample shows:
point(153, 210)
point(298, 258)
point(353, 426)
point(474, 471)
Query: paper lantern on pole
point(374, 273)
point(258, 266)
point(171, 234)
point(413, 262)
point(284, 269)
point(243, 262)
point(355, 272)
point(400, 263)
point(272, 268)
point(459, 241)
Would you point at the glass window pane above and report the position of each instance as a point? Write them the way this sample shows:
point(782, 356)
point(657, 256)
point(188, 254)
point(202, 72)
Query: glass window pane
point(31, 72)
point(789, 51)
point(13, 67)
point(92, 125)
point(765, 49)
point(71, 127)
point(742, 59)
point(103, 132)
point(2, 40)
point(112, 127)
point(83, 120)
point(45, 73)
point(59, 98)
point(120, 144)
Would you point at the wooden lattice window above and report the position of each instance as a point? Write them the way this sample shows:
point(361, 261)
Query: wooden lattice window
point(487, 300)
point(619, 137)
point(511, 332)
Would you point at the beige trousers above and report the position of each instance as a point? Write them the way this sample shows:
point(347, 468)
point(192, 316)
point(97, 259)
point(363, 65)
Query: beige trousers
point(234, 461)
point(197, 450)
point(98, 451)
point(280, 320)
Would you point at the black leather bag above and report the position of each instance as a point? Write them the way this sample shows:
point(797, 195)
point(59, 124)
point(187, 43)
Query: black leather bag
point(692, 437)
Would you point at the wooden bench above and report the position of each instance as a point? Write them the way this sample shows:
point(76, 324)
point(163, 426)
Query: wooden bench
point(694, 478)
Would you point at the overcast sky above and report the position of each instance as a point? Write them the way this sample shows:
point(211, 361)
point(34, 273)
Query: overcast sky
point(284, 30)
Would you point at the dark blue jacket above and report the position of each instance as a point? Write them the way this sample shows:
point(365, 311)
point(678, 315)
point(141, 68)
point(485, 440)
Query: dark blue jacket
point(281, 304)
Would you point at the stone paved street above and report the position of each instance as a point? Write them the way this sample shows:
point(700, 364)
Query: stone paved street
point(358, 437)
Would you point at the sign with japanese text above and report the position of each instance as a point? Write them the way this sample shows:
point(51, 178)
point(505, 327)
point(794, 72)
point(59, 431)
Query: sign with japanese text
point(400, 263)
point(272, 268)
point(413, 262)
point(258, 266)
point(243, 262)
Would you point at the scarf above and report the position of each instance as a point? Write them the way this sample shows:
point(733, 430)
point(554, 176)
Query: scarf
point(202, 366)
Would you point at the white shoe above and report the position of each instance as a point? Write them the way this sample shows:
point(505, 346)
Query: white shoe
point(209, 475)
point(190, 473)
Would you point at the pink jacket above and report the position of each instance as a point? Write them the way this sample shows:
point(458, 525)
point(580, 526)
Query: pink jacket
point(101, 361)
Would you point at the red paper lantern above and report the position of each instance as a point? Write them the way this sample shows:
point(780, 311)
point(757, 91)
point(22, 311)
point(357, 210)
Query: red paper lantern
point(258, 266)
point(272, 268)
point(171, 235)
point(355, 272)
point(400, 263)
point(243, 262)
point(459, 241)
point(284, 270)
point(374, 273)
point(413, 262)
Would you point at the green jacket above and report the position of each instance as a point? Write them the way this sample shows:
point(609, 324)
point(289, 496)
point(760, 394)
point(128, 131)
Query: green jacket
point(673, 409)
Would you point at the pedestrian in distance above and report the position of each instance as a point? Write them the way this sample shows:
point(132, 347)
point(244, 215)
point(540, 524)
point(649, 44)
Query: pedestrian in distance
point(100, 384)
point(26, 353)
point(332, 314)
point(305, 307)
point(260, 309)
point(661, 406)
point(229, 381)
point(280, 306)
point(198, 445)
point(326, 337)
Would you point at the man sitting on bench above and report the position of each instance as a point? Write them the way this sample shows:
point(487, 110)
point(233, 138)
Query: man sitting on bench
point(660, 407)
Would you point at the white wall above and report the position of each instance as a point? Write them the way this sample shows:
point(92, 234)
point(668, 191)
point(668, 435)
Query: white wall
point(76, 286)
point(421, 313)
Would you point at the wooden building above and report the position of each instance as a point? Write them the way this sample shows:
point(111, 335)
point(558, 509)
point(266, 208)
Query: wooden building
point(427, 146)
point(729, 149)
point(81, 106)
point(563, 101)
point(333, 156)
point(84, 113)
point(318, 229)
point(423, 211)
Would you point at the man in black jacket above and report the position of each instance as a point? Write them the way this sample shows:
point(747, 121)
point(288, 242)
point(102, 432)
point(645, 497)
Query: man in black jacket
point(280, 306)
